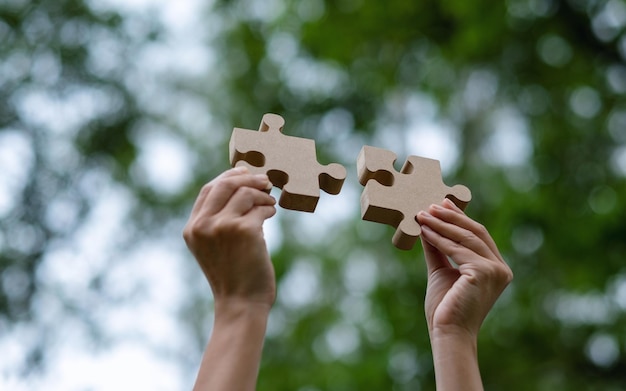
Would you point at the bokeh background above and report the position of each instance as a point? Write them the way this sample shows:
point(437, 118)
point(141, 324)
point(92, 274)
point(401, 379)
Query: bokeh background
point(113, 113)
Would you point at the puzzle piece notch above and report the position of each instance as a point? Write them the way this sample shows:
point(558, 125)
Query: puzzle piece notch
point(289, 162)
point(394, 198)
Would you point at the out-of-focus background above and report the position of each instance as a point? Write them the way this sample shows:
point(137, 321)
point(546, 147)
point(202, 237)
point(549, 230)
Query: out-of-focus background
point(113, 113)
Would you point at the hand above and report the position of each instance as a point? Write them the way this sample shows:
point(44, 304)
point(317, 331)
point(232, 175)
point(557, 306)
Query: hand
point(459, 299)
point(225, 234)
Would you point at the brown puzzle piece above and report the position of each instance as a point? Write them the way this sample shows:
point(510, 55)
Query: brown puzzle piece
point(395, 198)
point(290, 163)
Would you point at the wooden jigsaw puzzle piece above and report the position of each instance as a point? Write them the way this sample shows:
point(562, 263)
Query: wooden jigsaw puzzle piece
point(289, 162)
point(428, 173)
point(394, 198)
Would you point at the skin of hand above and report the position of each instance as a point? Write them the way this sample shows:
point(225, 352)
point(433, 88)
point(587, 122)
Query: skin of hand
point(225, 235)
point(458, 298)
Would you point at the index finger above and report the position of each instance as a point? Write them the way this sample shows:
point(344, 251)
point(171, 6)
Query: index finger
point(460, 219)
point(224, 188)
point(206, 189)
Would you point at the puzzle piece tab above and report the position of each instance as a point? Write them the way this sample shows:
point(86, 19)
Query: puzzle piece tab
point(395, 198)
point(289, 162)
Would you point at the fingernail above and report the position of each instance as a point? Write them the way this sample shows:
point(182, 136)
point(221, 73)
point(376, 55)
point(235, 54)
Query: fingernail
point(452, 204)
point(423, 213)
point(426, 228)
point(436, 207)
point(241, 169)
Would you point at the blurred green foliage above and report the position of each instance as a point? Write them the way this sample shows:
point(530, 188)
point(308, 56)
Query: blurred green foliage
point(531, 94)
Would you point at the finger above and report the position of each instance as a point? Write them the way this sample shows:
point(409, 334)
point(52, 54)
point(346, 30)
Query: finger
point(254, 219)
point(244, 199)
point(449, 212)
point(462, 255)
point(451, 205)
point(435, 259)
point(224, 188)
point(262, 212)
point(459, 253)
point(475, 227)
point(206, 189)
point(456, 233)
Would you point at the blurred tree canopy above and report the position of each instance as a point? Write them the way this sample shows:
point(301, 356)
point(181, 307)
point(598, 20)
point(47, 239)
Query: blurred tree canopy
point(523, 101)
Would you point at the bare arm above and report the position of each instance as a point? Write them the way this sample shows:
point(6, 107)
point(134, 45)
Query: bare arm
point(225, 234)
point(459, 298)
point(232, 357)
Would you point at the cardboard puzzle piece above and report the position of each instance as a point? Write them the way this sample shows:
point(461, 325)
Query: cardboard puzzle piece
point(289, 162)
point(395, 198)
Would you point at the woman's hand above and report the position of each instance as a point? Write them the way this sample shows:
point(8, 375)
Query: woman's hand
point(458, 299)
point(225, 234)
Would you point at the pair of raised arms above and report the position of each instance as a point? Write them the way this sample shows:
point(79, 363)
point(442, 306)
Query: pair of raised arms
point(391, 197)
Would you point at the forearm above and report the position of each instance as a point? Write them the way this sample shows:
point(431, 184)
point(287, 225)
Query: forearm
point(232, 357)
point(456, 361)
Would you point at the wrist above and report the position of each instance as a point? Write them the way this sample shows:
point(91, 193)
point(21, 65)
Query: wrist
point(446, 339)
point(232, 357)
point(455, 358)
point(232, 310)
point(453, 333)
